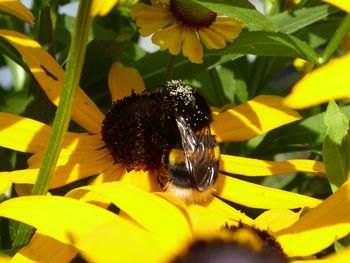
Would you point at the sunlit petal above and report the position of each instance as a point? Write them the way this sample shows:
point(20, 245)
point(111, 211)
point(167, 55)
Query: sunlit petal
point(142, 206)
point(144, 180)
point(337, 257)
point(122, 80)
point(318, 86)
point(258, 196)
point(16, 8)
point(50, 77)
point(342, 4)
point(256, 167)
point(112, 174)
point(227, 27)
point(276, 219)
point(255, 117)
point(320, 227)
point(45, 249)
point(220, 207)
point(102, 8)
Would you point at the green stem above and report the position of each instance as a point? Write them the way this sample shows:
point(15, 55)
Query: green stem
point(170, 67)
point(336, 39)
point(64, 111)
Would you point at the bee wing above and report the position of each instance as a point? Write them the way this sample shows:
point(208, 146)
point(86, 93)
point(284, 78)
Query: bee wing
point(199, 156)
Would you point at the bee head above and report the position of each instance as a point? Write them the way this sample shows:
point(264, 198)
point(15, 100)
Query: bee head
point(183, 100)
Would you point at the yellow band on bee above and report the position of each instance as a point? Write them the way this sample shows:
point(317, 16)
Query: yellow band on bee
point(176, 156)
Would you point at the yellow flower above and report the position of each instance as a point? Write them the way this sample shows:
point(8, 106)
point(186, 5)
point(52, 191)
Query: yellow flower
point(69, 226)
point(178, 25)
point(84, 155)
point(342, 4)
point(102, 7)
point(17, 9)
point(303, 66)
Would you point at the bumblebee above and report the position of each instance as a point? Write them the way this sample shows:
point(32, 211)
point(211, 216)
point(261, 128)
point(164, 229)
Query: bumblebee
point(167, 131)
point(192, 162)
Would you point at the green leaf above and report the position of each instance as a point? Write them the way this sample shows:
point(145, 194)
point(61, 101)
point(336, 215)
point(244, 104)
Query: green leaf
point(336, 146)
point(241, 10)
point(269, 44)
point(290, 22)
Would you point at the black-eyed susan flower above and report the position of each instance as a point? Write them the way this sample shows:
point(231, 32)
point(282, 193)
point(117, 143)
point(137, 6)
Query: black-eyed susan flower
point(71, 226)
point(85, 154)
point(181, 25)
point(102, 8)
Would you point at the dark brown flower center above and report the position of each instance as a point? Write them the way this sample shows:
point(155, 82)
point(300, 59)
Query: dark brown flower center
point(191, 14)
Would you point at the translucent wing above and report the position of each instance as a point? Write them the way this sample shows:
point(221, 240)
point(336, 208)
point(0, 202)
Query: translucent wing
point(199, 155)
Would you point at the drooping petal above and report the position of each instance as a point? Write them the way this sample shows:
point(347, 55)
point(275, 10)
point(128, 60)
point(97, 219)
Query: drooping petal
point(258, 196)
point(211, 39)
point(57, 216)
point(256, 167)
point(112, 243)
point(227, 27)
point(342, 4)
point(102, 8)
point(191, 46)
point(26, 176)
point(150, 18)
point(16, 8)
point(121, 80)
point(255, 117)
point(319, 227)
point(276, 219)
point(170, 38)
point(319, 85)
point(50, 77)
point(220, 207)
point(45, 249)
point(142, 206)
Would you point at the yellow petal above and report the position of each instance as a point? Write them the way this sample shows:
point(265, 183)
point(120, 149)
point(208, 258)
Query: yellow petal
point(320, 227)
point(112, 243)
point(170, 38)
point(23, 134)
point(150, 18)
point(220, 207)
point(50, 77)
point(23, 189)
point(152, 212)
point(111, 174)
point(339, 257)
point(191, 47)
point(57, 216)
point(255, 117)
point(147, 181)
point(256, 167)
point(45, 249)
point(227, 27)
point(121, 80)
point(102, 8)
point(5, 259)
point(205, 222)
point(16, 8)
point(211, 39)
point(26, 176)
point(318, 86)
point(258, 196)
point(342, 4)
point(276, 219)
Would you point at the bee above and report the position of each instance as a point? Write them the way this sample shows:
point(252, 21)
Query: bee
point(167, 131)
point(193, 159)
